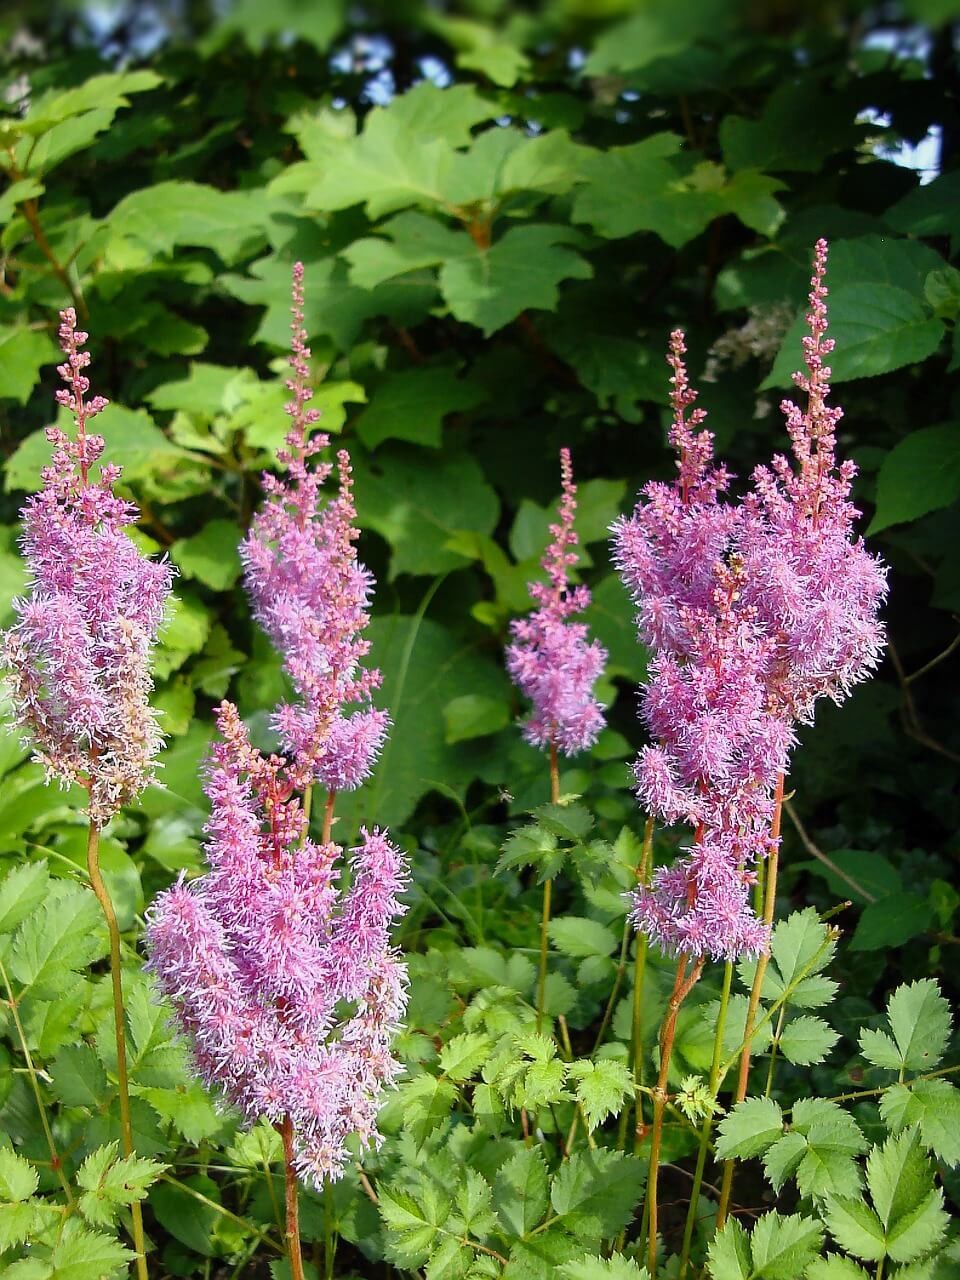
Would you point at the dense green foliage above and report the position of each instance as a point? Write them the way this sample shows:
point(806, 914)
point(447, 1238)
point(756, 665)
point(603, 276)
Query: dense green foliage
point(492, 268)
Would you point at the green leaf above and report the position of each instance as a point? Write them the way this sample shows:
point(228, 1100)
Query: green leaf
point(835, 1268)
point(462, 1057)
point(595, 1193)
point(66, 933)
point(909, 1207)
point(185, 1217)
point(80, 1254)
point(427, 1103)
point(211, 555)
point(616, 1267)
point(165, 215)
point(920, 1020)
point(410, 241)
point(855, 1227)
point(18, 1178)
point(601, 1088)
point(920, 474)
point(21, 890)
point(807, 1040)
point(520, 1191)
point(818, 1151)
point(729, 1256)
point(413, 403)
point(751, 1127)
point(877, 328)
point(23, 353)
point(935, 1106)
point(646, 186)
point(531, 846)
point(472, 715)
point(412, 1226)
point(801, 944)
point(783, 1246)
point(419, 502)
point(861, 875)
point(189, 1108)
point(78, 1078)
point(521, 271)
point(569, 821)
point(109, 1182)
point(580, 936)
point(891, 922)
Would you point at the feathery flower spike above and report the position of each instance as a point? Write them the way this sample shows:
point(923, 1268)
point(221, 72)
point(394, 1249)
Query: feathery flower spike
point(311, 595)
point(260, 953)
point(551, 660)
point(78, 655)
point(752, 610)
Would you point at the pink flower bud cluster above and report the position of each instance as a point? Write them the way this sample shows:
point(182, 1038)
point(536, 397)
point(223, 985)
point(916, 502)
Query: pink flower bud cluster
point(78, 655)
point(550, 660)
point(311, 596)
point(258, 953)
point(752, 610)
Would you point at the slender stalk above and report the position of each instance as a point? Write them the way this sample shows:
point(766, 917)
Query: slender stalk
point(639, 972)
point(123, 1084)
point(55, 1161)
point(781, 1018)
point(681, 988)
point(547, 896)
point(291, 1200)
point(769, 902)
point(328, 817)
point(329, 1235)
point(705, 1132)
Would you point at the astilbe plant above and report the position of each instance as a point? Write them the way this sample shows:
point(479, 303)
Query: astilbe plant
point(752, 610)
point(285, 984)
point(78, 656)
point(555, 665)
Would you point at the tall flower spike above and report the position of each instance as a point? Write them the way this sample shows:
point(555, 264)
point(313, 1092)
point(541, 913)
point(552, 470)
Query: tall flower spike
point(753, 611)
point(551, 660)
point(78, 656)
point(311, 595)
point(263, 954)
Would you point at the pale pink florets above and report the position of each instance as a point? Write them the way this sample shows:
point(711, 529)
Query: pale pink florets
point(311, 595)
point(78, 656)
point(753, 611)
point(259, 954)
point(551, 659)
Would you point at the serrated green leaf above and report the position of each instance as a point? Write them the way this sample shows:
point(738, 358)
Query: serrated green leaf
point(935, 1106)
point(412, 1227)
point(891, 922)
point(783, 1246)
point(835, 1268)
point(520, 1191)
point(729, 1256)
point(751, 1127)
point(189, 1108)
point(615, 1268)
point(21, 890)
point(108, 1182)
point(462, 1056)
point(78, 1079)
point(66, 933)
point(920, 1020)
point(18, 1178)
point(23, 353)
point(807, 1040)
point(81, 1254)
point(569, 821)
point(855, 1227)
point(595, 1193)
point(601, 1088)
point(427, 1102)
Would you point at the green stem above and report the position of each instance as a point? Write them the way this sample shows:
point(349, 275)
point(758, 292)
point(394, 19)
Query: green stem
point(547, 896)
point(55, 1161)
point(329, 1235)
point(714, 1085)
point(769, 903)
point(123, 1084)
point(773, 1051)
point(639, 973)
